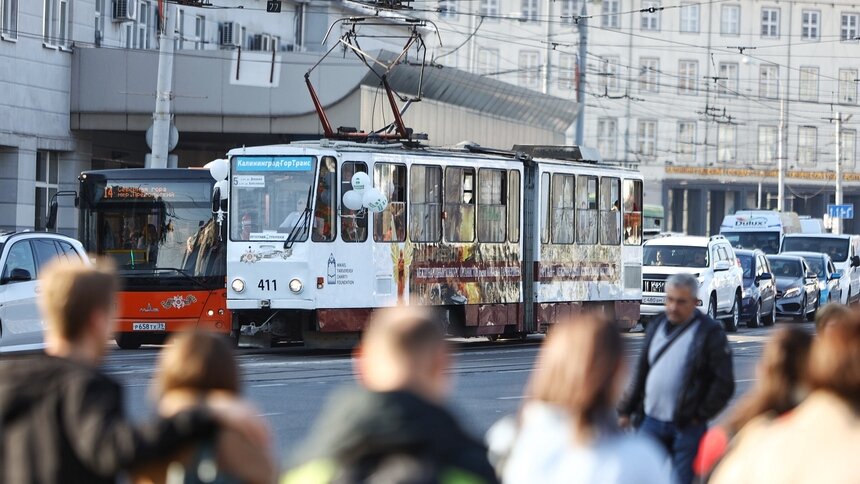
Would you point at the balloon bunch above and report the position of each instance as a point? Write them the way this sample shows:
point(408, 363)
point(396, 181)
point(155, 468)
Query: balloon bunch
point(219, 169)
point(363, 195)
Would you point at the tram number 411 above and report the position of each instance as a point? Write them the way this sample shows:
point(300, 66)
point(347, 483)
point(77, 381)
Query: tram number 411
point(273, 6)
point(268, 285)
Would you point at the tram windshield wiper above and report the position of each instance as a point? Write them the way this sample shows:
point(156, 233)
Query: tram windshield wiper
point(301, 223)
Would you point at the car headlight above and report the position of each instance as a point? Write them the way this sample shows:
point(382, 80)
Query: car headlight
point(747, 292)
point(791, 292)
point(296, 286)
point(238, 285)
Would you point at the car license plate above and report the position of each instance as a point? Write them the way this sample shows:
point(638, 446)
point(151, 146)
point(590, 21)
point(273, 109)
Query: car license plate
point(653, 299)
point(148, 326)
point(654, 286)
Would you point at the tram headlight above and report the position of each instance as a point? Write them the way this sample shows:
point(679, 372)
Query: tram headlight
point(296, 286)
point(238, 285)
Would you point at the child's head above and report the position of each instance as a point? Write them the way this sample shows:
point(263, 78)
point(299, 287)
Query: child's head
point(197, 361)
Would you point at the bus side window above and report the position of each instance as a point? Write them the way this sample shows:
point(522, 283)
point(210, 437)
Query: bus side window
point(632, 212)
point(323, 222)
point(352, 228)
point(586, 213)
point(563, 208)
point(390, 224)
point(492, 205)
point(425, 204)
point(459, 204)
point(544, 208)
point(514, 206)
point(610, 211)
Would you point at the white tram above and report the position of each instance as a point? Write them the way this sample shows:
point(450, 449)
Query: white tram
point(502, 243)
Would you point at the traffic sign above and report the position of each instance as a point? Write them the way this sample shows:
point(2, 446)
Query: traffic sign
point(273, 6)
point(845, 211)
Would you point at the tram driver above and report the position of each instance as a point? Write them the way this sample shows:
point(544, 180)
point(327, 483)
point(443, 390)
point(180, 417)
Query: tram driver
point(294, 217)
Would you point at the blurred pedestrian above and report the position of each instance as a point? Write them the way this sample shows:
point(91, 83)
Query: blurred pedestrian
point(829, 313)
point(200, 366)
point(780, 386)
point(62, 419)
point(683, 378)
point(567, 430)
point(394, 429)
point(816, 442)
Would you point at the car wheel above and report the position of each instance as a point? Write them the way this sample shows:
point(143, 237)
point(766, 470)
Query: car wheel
point(127, 341)
point(802, 315)
point(811, 315)
point(731, 324)
point(755, 319)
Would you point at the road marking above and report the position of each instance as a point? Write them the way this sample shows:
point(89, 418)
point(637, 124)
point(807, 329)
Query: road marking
point(510, 398)
point(269, 385)
point(272, 414)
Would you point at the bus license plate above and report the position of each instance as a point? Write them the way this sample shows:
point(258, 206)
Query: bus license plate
point(653, 299)
point(148, 326)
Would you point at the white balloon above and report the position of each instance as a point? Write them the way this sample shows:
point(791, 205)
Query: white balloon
point(224, 187)
point(374, 200)
point(360, 181)
point(353, 200)
point(219, 169)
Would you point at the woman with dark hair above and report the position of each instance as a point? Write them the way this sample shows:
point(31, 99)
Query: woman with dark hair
point(567, 429)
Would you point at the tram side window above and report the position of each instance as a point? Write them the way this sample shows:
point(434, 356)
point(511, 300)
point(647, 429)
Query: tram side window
point(610, 211)
point(586, 212)
point(324, 227)
point(562, 208)
point(514, 206)
point(544, 208)
point(353, 228)
point(492, 205)
point(459, 204)
point(390, 224)
point(632, 190)
point(425, 205)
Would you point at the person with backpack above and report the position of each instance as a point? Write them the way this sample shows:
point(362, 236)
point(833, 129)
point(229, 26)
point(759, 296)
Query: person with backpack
point(683, 378)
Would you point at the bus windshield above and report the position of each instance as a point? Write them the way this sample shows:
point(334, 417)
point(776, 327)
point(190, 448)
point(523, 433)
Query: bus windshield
point(767, 242)
point(835, 247)
point(153, 228)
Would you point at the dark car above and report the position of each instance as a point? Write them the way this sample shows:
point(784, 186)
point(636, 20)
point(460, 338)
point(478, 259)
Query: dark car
point(796, 287)
point(759, 289)
point(829, 287)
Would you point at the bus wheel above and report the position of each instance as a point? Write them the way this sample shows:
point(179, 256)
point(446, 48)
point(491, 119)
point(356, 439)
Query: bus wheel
point(127, 341)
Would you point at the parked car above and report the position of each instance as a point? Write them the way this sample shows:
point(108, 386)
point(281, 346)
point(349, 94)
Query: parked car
point(22, 255)
point(844, 250)
point(759, 289)
point(796, 287)
point(829, 288)
point(711, 259)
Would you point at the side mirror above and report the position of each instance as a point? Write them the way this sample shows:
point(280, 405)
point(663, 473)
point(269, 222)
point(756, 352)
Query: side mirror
point(765, 276)
point(855, 261)
point(835, 275)
point(216, 199)
point(18, 275)
point(811, 275)
point(51, 224)
point(722, 265)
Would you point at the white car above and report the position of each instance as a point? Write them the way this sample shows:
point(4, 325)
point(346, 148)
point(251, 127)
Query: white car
point(22, 255)
point(711, 259)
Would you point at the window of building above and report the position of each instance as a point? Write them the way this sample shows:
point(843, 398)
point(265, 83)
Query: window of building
point(727, 84)
point(610, 211)
point(492, 205)
point(647, 137)
point(649, 72)
point(727, 145)
point(9, 19)
point(848, 86)
point(586, 210)
point(730, 20)
point(810, 24)
point(567, 72)
point(99, 21)
point(179, 31)
point(530, 10)
point(807, 137)
point(199, 32)
point(488, 62)
point(689, 17)
point(569, 10)
point(808, 83)
point(390, 224)
point(609, 10)
point(608, 76)
point(563, 208)
point(768, 85)
point(514, 206)
point(55, 25)
point(448, 9)
point(459, 219)
point(688, 77)
point(529, 68)
point(650, 15)
point(687, 140)
point(324, 228)
point(490, 8)
point(47, 184)
point(767, 144)
point(353, 223)
point(607, 129)
point(544, 208)
point(849, 30)
point(142, 26)
point(425, 205)
point(770, 22)
point(849, 138)
point(632, 212)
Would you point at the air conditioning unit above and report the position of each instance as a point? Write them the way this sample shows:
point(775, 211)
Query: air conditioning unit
point(124, 10)
point(229, 34)
point(289, 48)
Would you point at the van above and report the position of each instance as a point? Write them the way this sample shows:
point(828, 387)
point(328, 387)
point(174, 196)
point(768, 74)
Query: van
point(759, 229)
point(844, 250)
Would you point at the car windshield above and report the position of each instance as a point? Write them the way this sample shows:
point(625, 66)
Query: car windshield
point(767, 242)
point(786, 268)
point(675, 256)
point(836, 248)
point(746, 265)
point(816, 265)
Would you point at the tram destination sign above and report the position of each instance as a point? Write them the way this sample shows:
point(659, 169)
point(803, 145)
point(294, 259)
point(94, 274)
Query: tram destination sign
point(274, 163)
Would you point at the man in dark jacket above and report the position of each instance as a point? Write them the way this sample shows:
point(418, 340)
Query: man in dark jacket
point(395, 428)
point(684, 376)
point(61, 420)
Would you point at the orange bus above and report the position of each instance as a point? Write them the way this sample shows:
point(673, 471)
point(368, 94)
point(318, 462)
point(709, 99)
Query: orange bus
point(157, 226)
